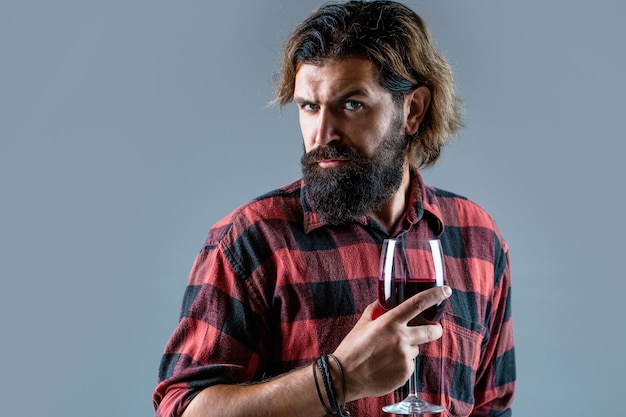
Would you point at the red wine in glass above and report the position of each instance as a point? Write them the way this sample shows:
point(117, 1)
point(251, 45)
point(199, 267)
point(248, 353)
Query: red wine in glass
point(399, 291)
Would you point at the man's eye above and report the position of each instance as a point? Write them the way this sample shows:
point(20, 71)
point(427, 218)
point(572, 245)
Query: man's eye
point(352, 105)
point(308, 107)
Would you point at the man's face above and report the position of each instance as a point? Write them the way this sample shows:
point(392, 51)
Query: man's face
point(353, 138)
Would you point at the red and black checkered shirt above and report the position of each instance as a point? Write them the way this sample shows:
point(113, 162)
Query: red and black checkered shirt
point(274, 288)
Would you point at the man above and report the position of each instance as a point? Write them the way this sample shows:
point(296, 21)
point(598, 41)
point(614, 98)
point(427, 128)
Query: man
point(290, 278)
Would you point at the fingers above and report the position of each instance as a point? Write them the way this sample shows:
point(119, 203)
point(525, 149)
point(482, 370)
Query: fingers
point(424, 334)
point(410, 308)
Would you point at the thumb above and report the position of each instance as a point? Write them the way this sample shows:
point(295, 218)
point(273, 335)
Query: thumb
point(370, 311)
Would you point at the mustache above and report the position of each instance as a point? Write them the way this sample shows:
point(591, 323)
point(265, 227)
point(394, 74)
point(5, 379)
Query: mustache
point(333, 151)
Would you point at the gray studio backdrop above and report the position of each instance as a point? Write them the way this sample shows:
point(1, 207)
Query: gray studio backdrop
point(127, 128)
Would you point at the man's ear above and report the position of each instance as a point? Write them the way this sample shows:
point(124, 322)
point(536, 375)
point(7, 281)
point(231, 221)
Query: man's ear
point(416, 104)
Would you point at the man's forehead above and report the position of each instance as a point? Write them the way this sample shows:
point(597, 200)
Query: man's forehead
point(347, 64)
point(337, 74)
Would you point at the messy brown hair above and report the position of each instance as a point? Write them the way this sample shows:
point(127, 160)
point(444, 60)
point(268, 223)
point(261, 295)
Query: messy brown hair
point(395, 39)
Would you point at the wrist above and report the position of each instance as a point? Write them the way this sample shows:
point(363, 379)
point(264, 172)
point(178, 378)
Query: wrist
point(330, 384)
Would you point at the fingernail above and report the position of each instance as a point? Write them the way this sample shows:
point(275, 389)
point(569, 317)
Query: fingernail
point(447, 291)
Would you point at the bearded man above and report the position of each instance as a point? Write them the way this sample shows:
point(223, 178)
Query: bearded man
point(279, 317)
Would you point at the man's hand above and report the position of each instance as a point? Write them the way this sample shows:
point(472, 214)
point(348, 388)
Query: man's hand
point(377, 355)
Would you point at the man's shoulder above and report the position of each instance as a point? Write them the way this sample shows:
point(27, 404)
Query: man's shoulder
point(457, 209)
point(279, 205)
point(439, 193)
point(282, 195)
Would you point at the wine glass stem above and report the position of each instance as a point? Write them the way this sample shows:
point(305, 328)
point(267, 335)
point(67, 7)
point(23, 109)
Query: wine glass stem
point(413, 380)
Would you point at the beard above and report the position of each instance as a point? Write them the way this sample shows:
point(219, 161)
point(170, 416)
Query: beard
point(358, 186)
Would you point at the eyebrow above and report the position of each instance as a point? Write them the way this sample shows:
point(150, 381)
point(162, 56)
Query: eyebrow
point(342, 97)
point(352, 93)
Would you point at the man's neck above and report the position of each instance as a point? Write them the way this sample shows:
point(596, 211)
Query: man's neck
point(392, 210)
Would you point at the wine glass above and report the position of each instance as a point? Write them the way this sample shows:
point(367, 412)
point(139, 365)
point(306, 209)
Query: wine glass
point(406, 268)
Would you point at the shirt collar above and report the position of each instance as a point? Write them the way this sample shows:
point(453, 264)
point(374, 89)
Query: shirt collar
point(421, 205)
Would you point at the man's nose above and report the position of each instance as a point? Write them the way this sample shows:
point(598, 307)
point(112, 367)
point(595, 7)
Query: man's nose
point(327, 128)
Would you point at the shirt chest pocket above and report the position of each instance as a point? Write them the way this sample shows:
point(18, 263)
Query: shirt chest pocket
point(461, 347)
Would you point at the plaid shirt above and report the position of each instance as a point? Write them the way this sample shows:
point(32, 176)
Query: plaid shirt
point(274, 288)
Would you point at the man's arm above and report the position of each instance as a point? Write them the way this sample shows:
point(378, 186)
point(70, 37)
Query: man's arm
point(495, 385)
point(289, 395)
point(376, 356)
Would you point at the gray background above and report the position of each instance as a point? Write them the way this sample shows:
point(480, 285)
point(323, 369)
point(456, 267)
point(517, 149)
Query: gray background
point(127, 128)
